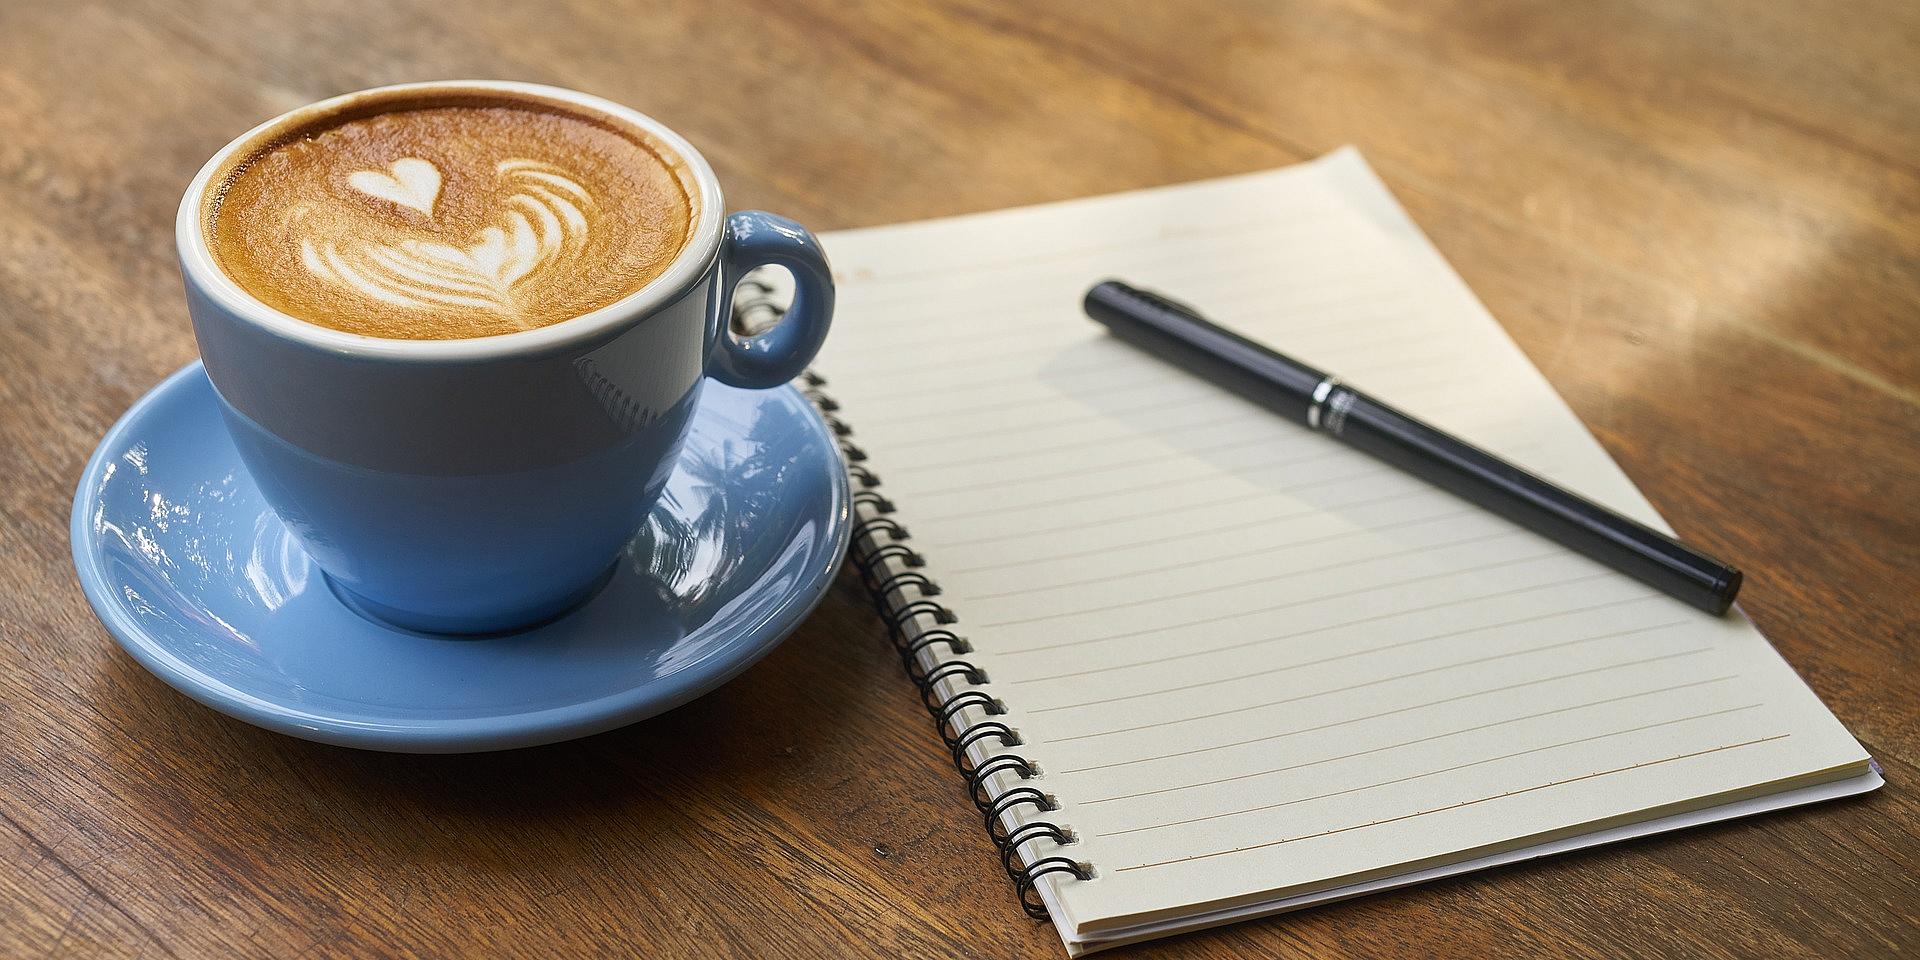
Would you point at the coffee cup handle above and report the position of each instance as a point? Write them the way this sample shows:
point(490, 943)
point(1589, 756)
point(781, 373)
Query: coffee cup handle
point(755, 238)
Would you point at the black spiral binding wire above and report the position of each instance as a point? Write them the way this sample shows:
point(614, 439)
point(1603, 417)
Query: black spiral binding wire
point(932, 653)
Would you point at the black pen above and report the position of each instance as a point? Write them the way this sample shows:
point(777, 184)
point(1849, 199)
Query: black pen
point(1176, 332)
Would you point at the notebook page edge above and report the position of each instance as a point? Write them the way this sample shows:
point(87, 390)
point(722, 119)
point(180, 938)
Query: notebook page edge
point(1864, 782)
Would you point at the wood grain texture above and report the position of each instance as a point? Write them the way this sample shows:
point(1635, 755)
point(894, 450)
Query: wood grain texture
point(1701, 218)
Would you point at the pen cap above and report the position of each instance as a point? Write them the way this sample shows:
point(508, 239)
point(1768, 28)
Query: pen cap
point(1175, 332)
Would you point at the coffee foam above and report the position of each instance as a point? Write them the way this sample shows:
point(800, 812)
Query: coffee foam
point(449, 217)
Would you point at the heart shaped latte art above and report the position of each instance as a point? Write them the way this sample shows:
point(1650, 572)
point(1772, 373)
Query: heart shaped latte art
point(409, 182)
point(542, 220)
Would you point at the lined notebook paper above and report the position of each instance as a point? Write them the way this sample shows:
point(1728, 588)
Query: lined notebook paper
point(1249, 668)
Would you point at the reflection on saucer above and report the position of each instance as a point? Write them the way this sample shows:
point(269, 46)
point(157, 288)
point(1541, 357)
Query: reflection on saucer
point(201, 583)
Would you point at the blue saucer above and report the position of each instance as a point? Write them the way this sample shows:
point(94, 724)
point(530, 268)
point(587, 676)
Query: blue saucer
point(199, 580)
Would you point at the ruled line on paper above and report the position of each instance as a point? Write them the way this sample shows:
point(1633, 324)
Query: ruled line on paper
point(1187, 387)
point(1213, 473)
point(1187, 534)
point(964, 325)
point(1400, 365)
point(1254, 643)
point(973, 307)
point(1199, 258)
point(922, 421)
point(1239, 473)
point(1283, 701)
point(1133, 433)
point(1456, 767)
point(1274, 578)
point(1536, 618)
point(1164, 257)
point(1060, 387)
point(1160, 432)
point(1177, 480)
point(1356, 346)
point(1114, 356)
point(1064, 319)
point(1409, 709)
point(1050, 423)
point(1215, 588)
point(1276, 548)
point(1411, 388)
point(1148, 376)
point(1159, 245)
point(1158, 456)
point(1373, 365)
point(1630, 631)
point(1456, 806)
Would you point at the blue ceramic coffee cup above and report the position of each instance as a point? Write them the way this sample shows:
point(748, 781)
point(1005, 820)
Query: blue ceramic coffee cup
point(482, 484)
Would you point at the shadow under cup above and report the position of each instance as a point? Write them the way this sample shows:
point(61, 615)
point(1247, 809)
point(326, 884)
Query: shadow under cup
point(486, 484)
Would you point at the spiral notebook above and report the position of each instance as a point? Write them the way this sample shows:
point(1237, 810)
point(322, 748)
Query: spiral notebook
point(1196, 663)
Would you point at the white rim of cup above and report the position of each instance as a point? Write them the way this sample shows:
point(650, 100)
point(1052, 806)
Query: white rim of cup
point(703, 241)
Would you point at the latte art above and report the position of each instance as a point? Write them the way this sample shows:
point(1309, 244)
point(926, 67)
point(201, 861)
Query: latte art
point(410, 182)
point(545, 219)
point(450, 221)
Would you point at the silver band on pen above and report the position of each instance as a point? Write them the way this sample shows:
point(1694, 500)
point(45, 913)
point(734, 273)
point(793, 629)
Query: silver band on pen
point(1321, 391)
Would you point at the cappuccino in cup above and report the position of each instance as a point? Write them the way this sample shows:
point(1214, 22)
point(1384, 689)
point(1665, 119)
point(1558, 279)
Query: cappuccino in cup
point(459, 330)
point(450, 216)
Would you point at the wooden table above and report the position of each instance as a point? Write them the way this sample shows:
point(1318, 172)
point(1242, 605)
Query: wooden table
point(1701, 218)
